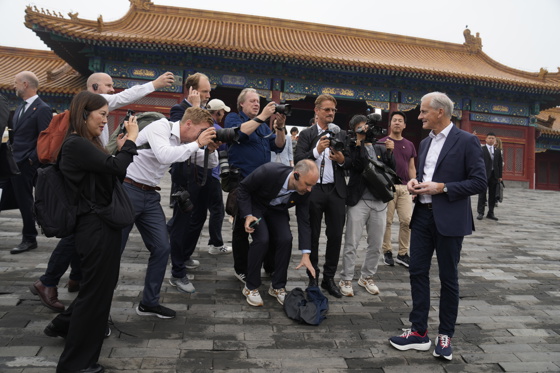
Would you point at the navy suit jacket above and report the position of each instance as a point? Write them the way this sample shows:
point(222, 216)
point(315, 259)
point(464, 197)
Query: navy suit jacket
point(461, 168)
point(178, 110)
point(35, 119)
point(307, 141)
point(257, 190)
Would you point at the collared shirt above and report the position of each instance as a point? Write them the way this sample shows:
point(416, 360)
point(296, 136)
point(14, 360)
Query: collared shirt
point(283, 195)
point(491, 151)
point(431, 158)
point(150, 165)
point(251, 151)
point(124, 98)
point(328, 172)
point(29, 101)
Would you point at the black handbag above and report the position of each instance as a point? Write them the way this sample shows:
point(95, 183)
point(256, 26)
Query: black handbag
point(379, 178)
point(120, 212)
point(8, 166)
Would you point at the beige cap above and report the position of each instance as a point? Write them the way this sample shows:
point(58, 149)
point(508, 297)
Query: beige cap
point(217, 104)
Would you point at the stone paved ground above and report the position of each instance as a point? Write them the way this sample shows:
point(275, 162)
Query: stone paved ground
point(509, 316)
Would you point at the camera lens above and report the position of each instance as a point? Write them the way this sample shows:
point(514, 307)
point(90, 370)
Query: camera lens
point(227, 135)
point(285, 109)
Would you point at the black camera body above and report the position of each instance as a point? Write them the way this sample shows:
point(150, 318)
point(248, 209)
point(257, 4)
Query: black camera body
point(285, 109)
point(227, 135)
point(129, 113)
point(334, 143)
point(183, 199)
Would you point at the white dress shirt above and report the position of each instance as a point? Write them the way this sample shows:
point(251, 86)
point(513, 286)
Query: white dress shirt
point(118, 100)
point(328, 172)
point(149, 166)
point(431, 158)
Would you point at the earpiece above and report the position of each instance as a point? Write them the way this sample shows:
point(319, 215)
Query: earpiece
point(296, 175)
point(86, 113)
point(95, 86)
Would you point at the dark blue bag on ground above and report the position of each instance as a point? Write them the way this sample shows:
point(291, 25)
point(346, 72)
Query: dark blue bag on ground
point(309, 307)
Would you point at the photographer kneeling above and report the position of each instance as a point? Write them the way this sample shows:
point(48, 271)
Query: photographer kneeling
point(365, 208)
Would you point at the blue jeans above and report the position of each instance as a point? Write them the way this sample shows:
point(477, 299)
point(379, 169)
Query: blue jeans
point(150, 221)
point(423, 240)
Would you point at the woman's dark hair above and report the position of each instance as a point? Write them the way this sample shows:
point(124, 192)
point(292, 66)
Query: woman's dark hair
point(82, 104)
point(357, 119)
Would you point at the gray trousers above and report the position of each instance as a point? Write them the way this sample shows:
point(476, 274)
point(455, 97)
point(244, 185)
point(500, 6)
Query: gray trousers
point(373, 215)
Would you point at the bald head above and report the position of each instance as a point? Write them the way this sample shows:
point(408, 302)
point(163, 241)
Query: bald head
point(100, 83)
point(26, 84)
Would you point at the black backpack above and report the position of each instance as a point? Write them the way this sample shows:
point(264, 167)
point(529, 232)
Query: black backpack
point(309, 307)
point(53, 209)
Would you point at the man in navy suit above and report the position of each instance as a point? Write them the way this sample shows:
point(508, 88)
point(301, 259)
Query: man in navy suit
point(450, 170)
point(264, 198)
point(493, 163)
point(30, 118)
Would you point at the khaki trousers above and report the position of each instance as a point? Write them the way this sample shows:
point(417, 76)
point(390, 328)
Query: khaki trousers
point(402, 202)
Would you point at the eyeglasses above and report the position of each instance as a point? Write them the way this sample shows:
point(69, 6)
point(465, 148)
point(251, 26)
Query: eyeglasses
point(328, 109)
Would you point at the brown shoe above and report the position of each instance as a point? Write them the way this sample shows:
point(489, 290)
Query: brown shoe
point(47, 295)
point(73, 286)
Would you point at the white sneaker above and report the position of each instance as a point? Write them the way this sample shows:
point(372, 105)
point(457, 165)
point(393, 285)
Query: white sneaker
point(240, 276)
point(279, 294)
point(253, 297)
point(368, 284)
point(192, 263)
point(215, 250)
point(182, 284)
point(346, 288)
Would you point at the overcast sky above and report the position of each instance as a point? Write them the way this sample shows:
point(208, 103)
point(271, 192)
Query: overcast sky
point(517, 33)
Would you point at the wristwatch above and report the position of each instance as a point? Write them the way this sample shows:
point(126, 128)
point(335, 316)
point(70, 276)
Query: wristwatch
point(444, 188)
point(258, 120)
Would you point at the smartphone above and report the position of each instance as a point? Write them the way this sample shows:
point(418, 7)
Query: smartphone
point(255, 223)
point(122, 129)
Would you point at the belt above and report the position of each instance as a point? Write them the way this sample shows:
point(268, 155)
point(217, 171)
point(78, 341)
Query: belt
point(425, 205)
point(141, 186)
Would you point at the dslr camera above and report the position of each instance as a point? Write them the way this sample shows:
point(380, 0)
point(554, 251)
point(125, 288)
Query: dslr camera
point(285, 109)
point(334, 143)
point(227, 135)
point(183, 199)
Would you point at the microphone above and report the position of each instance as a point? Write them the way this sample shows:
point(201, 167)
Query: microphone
point(333, 128)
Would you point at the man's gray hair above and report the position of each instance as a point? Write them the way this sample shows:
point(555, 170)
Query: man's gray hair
point(30, 78)
point(440, 100)
point(304, 166)
point(241, 97)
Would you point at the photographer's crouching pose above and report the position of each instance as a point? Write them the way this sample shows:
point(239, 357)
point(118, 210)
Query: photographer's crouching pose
point(365, 208)
point(168, 142)
point(264, 198)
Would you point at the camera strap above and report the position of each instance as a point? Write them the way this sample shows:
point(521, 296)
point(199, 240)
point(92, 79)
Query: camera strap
point(205, 166)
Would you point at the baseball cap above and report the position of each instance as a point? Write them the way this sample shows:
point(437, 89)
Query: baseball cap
point(217, 104)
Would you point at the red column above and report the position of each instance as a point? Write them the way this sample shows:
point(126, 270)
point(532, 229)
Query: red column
point(466, 121)
point(530, 156)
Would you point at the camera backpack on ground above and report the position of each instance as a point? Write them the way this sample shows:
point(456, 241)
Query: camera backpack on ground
point(307, 307)
point(50, 140)
point(143, 120)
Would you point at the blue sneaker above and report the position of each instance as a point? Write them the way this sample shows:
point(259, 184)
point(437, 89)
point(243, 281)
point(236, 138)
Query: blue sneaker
point(411, 339)
point(443, 347)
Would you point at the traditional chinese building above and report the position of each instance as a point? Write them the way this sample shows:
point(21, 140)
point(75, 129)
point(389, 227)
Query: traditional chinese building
point(296, 61)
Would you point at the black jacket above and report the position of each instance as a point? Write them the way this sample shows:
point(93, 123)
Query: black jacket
point(359, 158)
